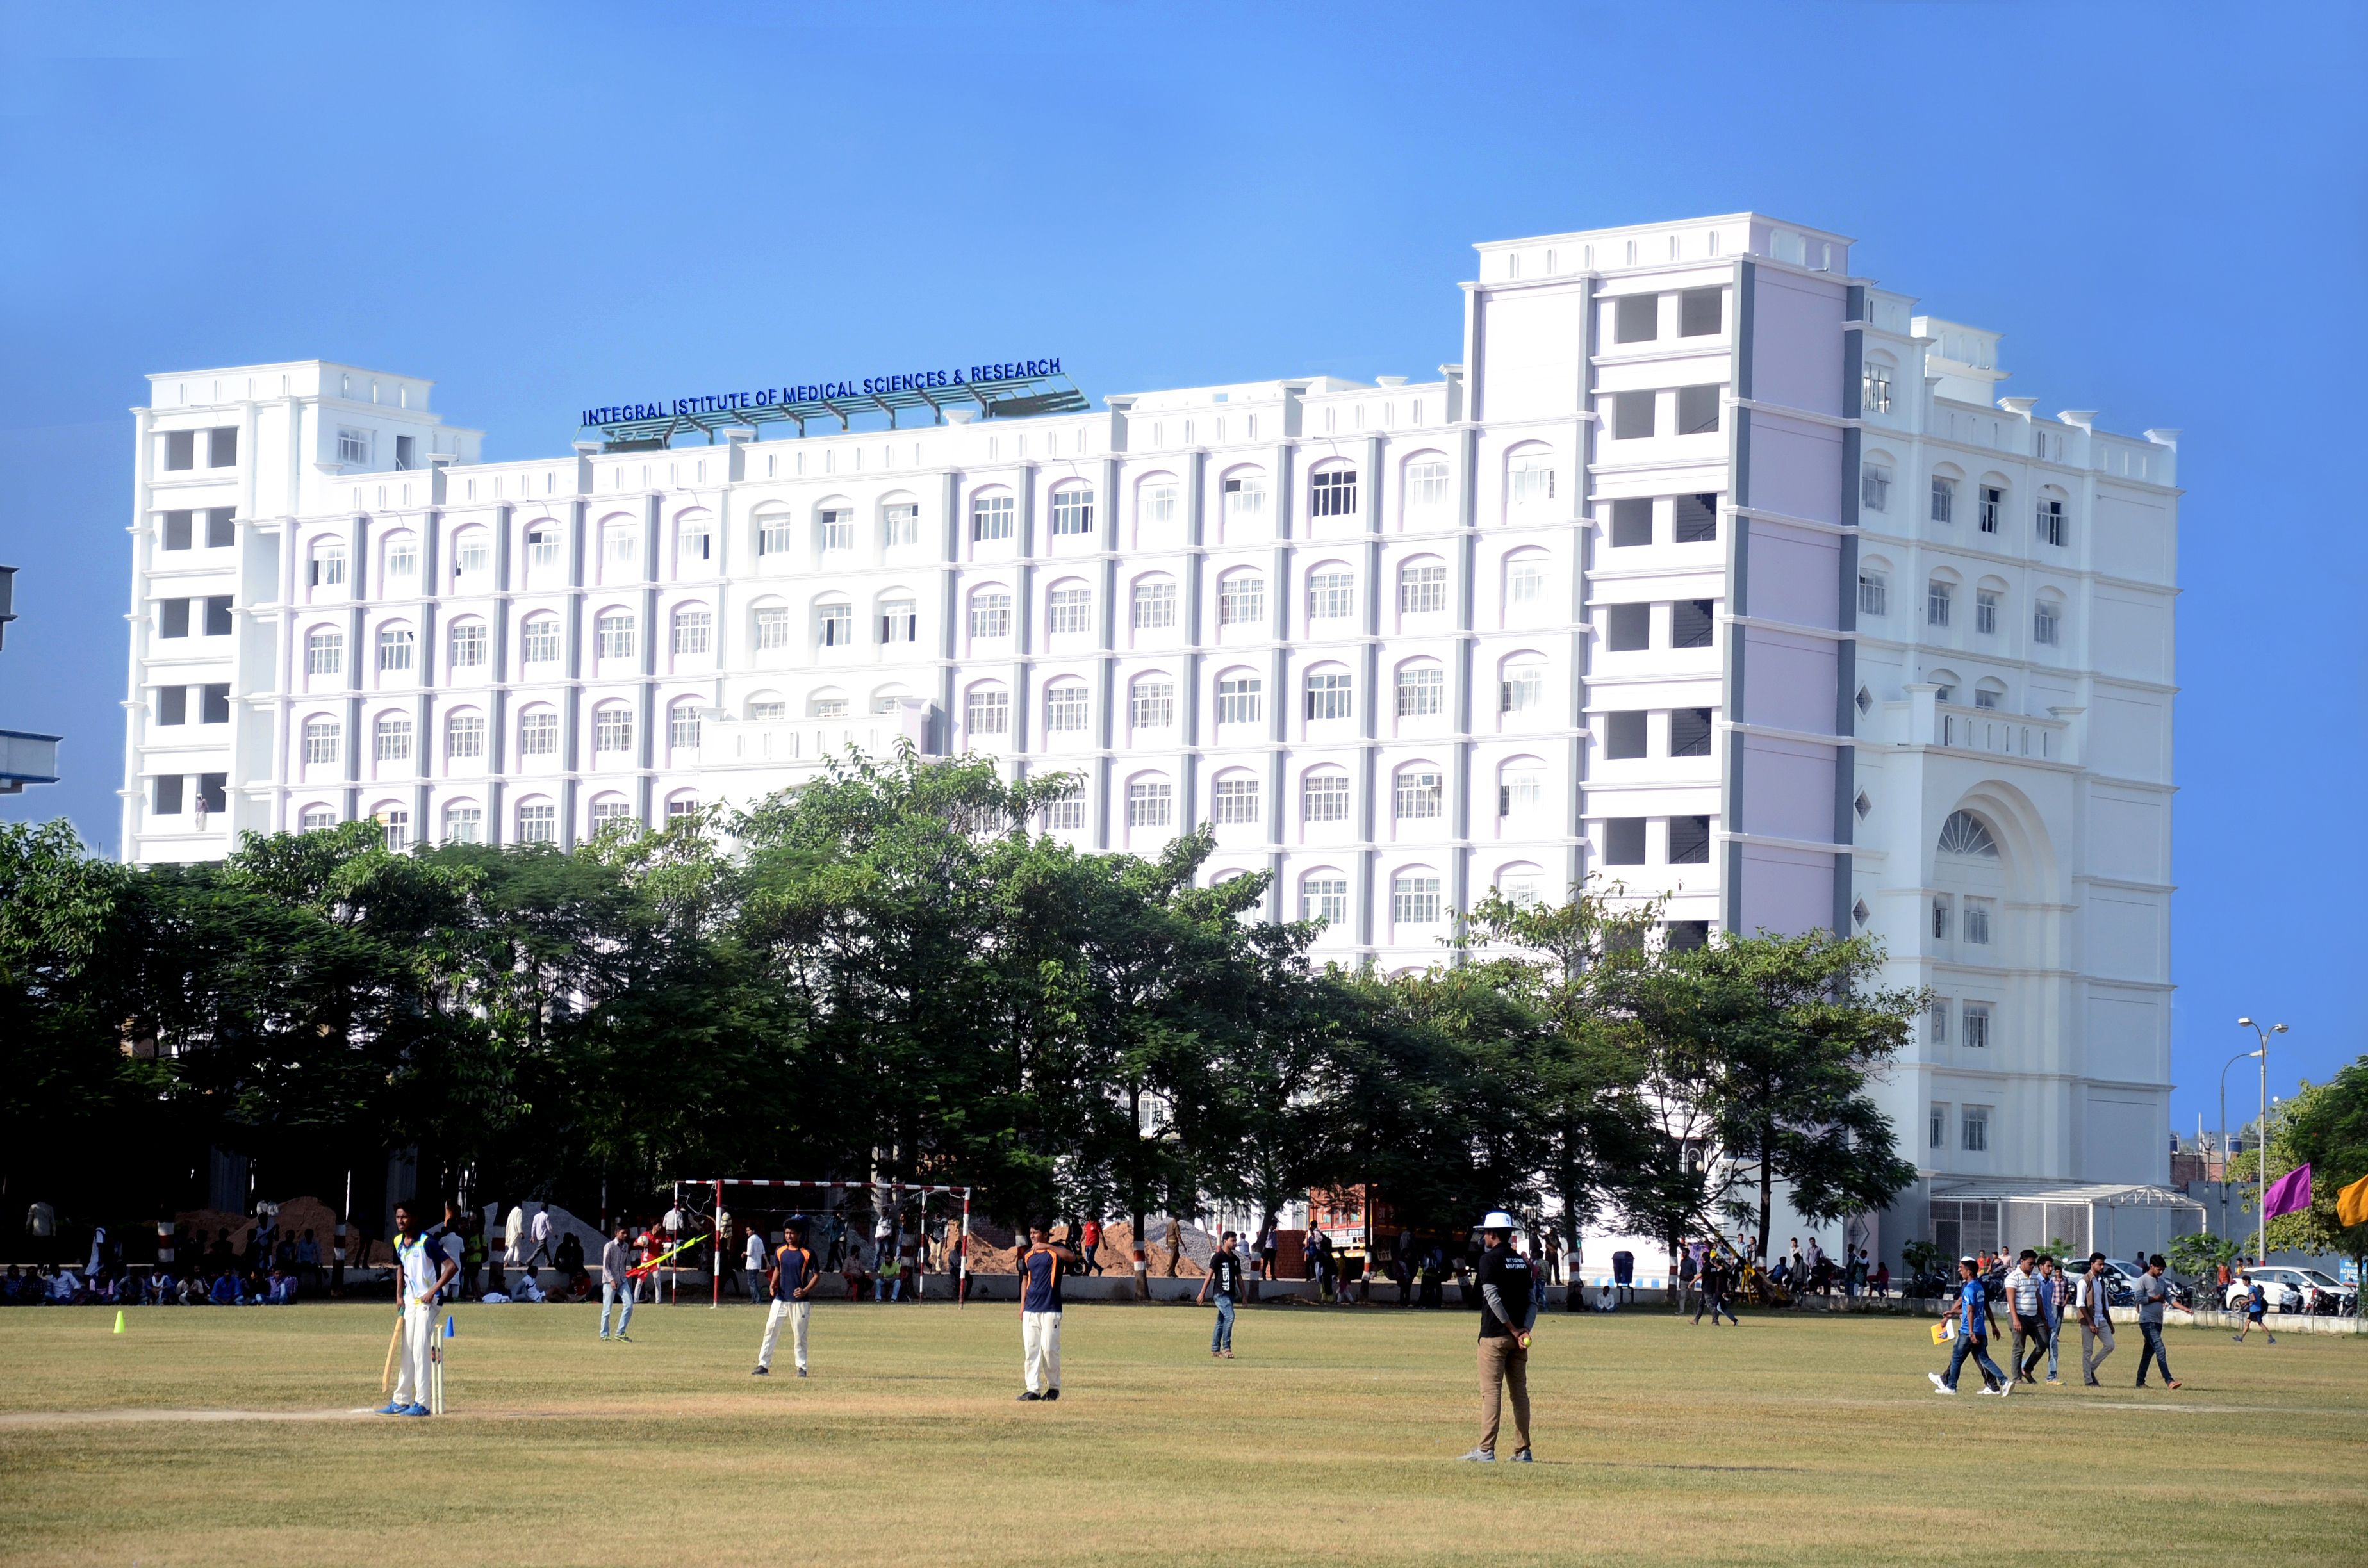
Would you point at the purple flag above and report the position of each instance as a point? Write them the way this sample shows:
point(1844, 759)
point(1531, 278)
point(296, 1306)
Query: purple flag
point(2290, 1194)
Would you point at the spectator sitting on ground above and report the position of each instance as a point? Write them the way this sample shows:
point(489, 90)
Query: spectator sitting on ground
point(529, 1287)
point(282, 1291)
point(225, 1290)
point(193, 1287)
point(164, 1290)
point(12, 1288)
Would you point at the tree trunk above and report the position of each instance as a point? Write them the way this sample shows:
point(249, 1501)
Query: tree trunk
point(1142, 1255)
point(1767, 1184)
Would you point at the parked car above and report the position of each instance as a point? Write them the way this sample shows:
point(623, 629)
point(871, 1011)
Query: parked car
point(2295, 1291)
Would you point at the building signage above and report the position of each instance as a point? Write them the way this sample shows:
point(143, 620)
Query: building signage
point(819, 392)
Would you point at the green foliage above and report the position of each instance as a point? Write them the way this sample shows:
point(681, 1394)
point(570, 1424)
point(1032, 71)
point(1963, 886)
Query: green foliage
point(2199, 1257)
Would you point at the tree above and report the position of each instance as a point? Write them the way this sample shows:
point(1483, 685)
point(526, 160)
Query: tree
point(2324, 1126)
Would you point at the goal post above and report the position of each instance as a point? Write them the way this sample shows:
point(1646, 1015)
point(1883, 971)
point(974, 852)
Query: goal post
point(898, 1191)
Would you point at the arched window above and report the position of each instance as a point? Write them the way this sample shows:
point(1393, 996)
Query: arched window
point(1151, 703)
point(1243, 506)
point(1150, 801)
point(1324, 896)
point(1521, 683)
point(1522, 789)
point(390, 738)
point(683, 724)
point(1234, 798)
point(396, 646)
point(1072, 510)
point(613, 634)
point(694, 629)
point(1332, 491)
point(1330, 693)
point(1422, 586)
point(990, 611)
point(694, 541)
point(767, 708)
point(1989, 692)
point(834, 624)
point(1421, 686)
point(2047, 619)
point(620, 550)
point(464, 822)
point(769, 626)
point(470, 645)
point(993, 514)
point(1874, 383)
point(539, 732)
point(1152, 604)
point(1241, 697)
point(1529, 477)
point(1069, 608)
point(1427, 501)
point(401, 556)
point(324, 652)
point(612, 728)
point(464, 736)
point(1874, 473)
point(1068, 708)
point(1241, 599)
point(1415, 897)
point(835, 525)
point(538, 640)
point(472, 557)
point(1418, 793)
point(1520, 883)
point(327, 567)
point(1525, 585)
point(538, 822)
point(1331, 591)
point(611, 813)
point(776, 533)
point(986, 712)
point(1965, 834)
point(1947, 484)
point(900, 521)
point(1324, 795)
point(829, 702)
point(1874, 586)
point(316, 819)
point(320, 740)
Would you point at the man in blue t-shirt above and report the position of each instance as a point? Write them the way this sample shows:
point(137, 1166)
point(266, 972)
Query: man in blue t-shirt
point(1225, 1278)
point(793, 1278)
point(1973, 1335)
point(2256, 1310)
point(1041, 1268)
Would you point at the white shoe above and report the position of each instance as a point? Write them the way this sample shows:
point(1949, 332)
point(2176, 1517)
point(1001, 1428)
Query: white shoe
point(2005, 1389)
point(1939, 1387)
point(1938, 1380)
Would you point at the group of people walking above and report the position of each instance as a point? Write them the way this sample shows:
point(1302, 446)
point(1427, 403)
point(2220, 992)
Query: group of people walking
point(2036, 1295)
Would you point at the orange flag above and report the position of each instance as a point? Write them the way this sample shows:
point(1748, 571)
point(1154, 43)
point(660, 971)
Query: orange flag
point(2352, 1203)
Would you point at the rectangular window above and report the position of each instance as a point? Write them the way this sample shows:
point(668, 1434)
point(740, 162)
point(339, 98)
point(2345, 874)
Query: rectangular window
point(1155, 606)
point(325, 653)
point(1239, 700)
point(1525, 582)
point(1986, 697)
point(1522, 690)
point(1874, 488)
point(606, 813)
point(1064, 813)
point(1333, 493)
point(1993, 507)
point(614, 635)
point(1627, 628)
point(1327, 697)
point(1324, 797)
point(1690, 731)
point(1241, 599)
point(1632, 522)
point(1986, 613)
point(1689, 841)
point(1874, 390)
point(1685, 936)
point(1977, 1128)
point(542, 547)
point(1632, 415)
point(1413, 901)
point(1623, 736)
point(1698, 409)
point(395, 645)
point(1324, 899)
point(1624, 841)
point(683, 727)
point(899, 620)
point(1696, 520)
point(1533, 482)
point(1426, 484)
point(180, 452)
point(695, 543)
point(1690, 623)
point(168, 794)
point(1067, 708)
point(834, 624)
point(1331, 595)
point(1072, 510)
point(1422, 691)
point(218, 621)
point(1235, 800)
point(1944, 499)
point(537, 825)
point(354, 446)
point(391, 739)
point(1150, 804)
point(407, 451)
point(773, 534)
point(464, 825)
point(1936, 1020)
point(1151, 705)
point(1701, 313)
point(1977, 921)
point(990, 615)
point(176, 530)
point(1521, 792)
point(1422, 590)
point(612, 728)
point(1636, 318)
point(328, 565)
point(694, 632)
point(990, 517)
point(171, 705)
point(1977, 1026)
point(321, 737)
point(1069, 610)
point(222, 530)
point(213, 703)
point(1245, 497)
point(987, 712)
point(539, 734)
point(1941, 917)
point(1874, 594)
point(902, 524)
point(622, 548)
point(2050, 522)
point(1940, 1129)
point(464, 736)
point(2044, 622)
point(538, 644)
point(1939, 595)
point(403, 559)
point(474, 558)
point(838, 529)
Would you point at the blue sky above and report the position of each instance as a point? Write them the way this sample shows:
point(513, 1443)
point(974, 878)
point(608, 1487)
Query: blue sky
point(544, 208)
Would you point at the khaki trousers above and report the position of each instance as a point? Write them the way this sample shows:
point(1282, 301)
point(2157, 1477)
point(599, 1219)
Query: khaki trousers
point(1504, 1367)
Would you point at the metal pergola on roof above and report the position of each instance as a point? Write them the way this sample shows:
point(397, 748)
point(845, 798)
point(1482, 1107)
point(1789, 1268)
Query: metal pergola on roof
point(1006, 397)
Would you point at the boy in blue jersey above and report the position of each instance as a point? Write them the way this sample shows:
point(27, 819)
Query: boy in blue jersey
point(421, 1273)
point(1973, 1334)
point(1041, 1268)
point(793, 1278)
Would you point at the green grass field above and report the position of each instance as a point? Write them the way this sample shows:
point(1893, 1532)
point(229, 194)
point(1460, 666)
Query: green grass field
point(210, 1437)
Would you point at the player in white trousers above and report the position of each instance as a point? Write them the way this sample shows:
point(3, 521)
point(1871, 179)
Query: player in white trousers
point(1039, 1314)
point(791, 1279)
point(421, 1272)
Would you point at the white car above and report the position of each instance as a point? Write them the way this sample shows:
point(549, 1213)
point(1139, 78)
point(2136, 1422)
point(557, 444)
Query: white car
point(2290, 1291)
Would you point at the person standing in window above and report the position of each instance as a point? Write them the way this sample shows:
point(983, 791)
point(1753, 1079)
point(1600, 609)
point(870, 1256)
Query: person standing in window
point(1509, 1310)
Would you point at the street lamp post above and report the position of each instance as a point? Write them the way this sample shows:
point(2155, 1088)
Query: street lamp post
point(2261, 1148)
point(2240, 1056)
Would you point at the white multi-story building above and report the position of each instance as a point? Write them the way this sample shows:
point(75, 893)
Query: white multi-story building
point(1711, 570)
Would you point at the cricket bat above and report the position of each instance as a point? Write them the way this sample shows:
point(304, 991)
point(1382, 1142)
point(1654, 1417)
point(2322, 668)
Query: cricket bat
point(386, 1378)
